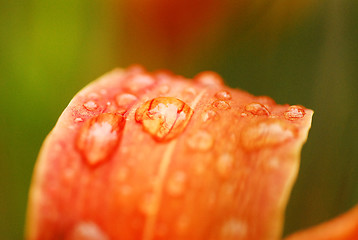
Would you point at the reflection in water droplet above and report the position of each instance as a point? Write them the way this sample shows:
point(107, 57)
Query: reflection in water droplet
point(257, 109)
point(87, 231)
point(209, 115)
point(78, 120)
point(99, 137)
point(176, 184)
point(90, 105)
point(148, 205)
point(139, 82)
point(224, 164)
point(209, 78)
point(201, 141)
point(223, 95)
point(164, 118)
point(125, 101)
point(222, 105)
point(267, 133)
point(294, 112)
point(233, 229)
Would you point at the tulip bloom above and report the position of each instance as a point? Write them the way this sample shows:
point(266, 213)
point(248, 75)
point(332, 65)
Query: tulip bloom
point(139, 155)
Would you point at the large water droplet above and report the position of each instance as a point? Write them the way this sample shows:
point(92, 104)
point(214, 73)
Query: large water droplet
point(99, 137)
point(223, 95)
point(125, 101)
point(222, 105)
point(176, 184)
point(267, 133)
point(164, 118)
point(257, 109)
point(90, 105)
point(209, 115)
point(87, 231)
point(224, 164)
point(209, 78)
point(294, 112)
point(139, 82)
point(201, 141)
point(233, 229)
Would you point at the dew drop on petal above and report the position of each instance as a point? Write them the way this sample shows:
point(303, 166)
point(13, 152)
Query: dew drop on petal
point(148, 205)
point(294, 112)
point(222, 105)
point(90, 105)
point(164, 118)
point(209, 115)
point(189, 92)
point(99, 137)
point(139, 82)
point(201, 141)
point(87, 231)
point(78, 120)
point(209, 78)
point(176, 184)
point(267, 133)
point(224, 164)
point(233, 229)
point(125, 101)
point(182, 224)
point(164, 89)
point(257, 109)
point(223, 95)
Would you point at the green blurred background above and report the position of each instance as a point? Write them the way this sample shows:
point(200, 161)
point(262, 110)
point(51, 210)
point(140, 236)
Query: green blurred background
point(300, 54)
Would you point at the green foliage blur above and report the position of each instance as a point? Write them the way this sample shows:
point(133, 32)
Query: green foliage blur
point(49, 50)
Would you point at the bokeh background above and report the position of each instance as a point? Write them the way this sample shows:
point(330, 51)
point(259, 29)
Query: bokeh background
point(296, 51)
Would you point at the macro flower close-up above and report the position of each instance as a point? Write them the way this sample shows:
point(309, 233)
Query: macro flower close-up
point(192, 119)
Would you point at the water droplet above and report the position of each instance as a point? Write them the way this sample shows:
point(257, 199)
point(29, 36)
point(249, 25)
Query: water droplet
point(90, 105)
point(99, 137)
point(267, 133)
point(182, 224)
point(222, 105)
point(294, 112)
point(103, 92)
point(139, 82)
point(125, 190)
point(209, 115)
point(148, 205)
point(257, 109)
point(122, 174)
point(176, 184)
point(163, 89)
point(233, 229)
point(87, 231)
point(78, 120)
point(209, 78)
point(190, 92)
point(224, 164)
point(201, 141)
point(125, 101)
point(164, 118)
point(223, 95)
point(136, 68)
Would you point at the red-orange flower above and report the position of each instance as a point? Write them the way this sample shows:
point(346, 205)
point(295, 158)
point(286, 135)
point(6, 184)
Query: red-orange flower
point(140, 155)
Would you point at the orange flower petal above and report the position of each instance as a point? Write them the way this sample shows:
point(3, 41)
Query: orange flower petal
point(157, 156)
